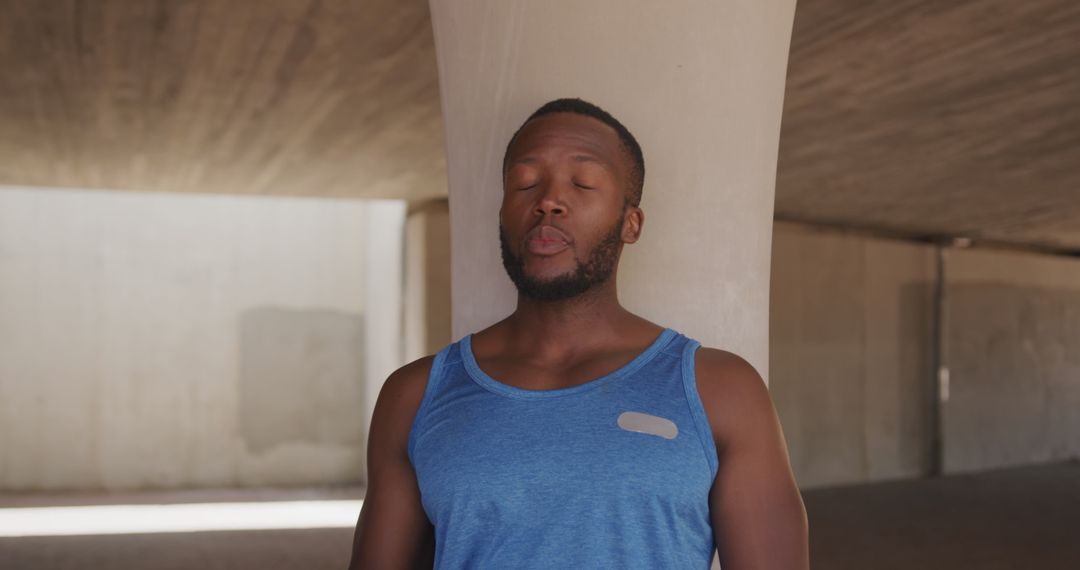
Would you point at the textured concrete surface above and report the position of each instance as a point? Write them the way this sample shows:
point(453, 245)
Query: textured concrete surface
point(310, 549)
point(426, 310)
point(956, 128)
point(1006, 520)
point(1013, 519)
point(297, 381)
point(850, 333)
point(165, 340)
point(1013, 351)
point(332, 98)
point(964, 122)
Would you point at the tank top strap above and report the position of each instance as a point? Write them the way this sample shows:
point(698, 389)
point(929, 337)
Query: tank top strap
point(697, 409)
point(443, 360)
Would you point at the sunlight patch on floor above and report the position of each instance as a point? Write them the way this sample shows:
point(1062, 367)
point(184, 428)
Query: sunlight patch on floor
point(193, 517)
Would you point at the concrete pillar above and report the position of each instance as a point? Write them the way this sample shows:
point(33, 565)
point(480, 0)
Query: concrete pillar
point(385, 224)
point(701, 86)
point(427, 279)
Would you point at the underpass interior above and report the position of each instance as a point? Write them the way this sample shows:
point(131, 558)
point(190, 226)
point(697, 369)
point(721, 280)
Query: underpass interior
point(223, 224)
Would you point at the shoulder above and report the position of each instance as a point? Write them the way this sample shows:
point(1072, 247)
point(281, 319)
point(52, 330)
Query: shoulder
point(719, 371)
point(733, 393)
point(399, 400)
point(405, 386)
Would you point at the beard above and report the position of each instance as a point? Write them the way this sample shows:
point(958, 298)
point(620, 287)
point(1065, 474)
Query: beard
point(598, 268)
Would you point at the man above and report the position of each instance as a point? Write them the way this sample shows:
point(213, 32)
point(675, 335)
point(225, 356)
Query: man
point(573, 433)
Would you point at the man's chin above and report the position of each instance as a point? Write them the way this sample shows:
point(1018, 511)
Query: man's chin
point(547, 278)
point(552, 289)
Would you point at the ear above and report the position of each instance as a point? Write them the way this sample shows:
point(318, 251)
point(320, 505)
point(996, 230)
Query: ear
point(632, 223)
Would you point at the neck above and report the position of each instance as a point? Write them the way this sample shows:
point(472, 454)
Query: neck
point(562, 327)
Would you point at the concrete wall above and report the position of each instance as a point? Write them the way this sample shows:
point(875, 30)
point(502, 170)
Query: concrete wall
point(152, 340)
point(427, 279)
point(1013, 352)
point(851, 354)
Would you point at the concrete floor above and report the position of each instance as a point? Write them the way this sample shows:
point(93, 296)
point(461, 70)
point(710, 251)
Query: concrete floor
point(1010, 519)
point(1019, 518)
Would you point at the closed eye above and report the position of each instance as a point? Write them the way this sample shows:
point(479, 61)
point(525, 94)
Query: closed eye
point(584, 187)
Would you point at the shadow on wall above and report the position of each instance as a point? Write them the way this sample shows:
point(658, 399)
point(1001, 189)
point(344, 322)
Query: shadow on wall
point(1014, 360)
point(301, 378)
point(915, 395)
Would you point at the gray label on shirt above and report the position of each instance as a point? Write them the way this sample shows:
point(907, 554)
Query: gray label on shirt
point(645, 423)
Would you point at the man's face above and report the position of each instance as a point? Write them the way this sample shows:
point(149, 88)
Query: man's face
point(564, 214)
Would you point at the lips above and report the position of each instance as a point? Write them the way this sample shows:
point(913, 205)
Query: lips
point(545, 247)
point(546, 240)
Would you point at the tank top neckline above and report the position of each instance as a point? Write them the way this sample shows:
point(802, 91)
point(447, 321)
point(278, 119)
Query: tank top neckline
point(493, 385)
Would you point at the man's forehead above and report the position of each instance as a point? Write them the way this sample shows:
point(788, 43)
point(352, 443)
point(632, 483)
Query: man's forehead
point(592, 138)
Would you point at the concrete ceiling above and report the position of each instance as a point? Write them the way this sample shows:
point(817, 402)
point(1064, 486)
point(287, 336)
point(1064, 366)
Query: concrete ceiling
point(935, 118)
point(914, 117)
point(281, 97)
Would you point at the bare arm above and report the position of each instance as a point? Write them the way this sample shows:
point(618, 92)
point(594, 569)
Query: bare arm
point(758, 515)
point(393, 532)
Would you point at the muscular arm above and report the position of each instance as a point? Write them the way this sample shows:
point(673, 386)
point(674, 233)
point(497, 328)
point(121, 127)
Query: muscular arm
point(393, 533)
point(757, 512)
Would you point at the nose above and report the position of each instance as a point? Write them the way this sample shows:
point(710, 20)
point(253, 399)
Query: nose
point(550, 201)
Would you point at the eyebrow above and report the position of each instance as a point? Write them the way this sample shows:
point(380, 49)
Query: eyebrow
point(589, 158)
point(576, 158)
point(523, 160)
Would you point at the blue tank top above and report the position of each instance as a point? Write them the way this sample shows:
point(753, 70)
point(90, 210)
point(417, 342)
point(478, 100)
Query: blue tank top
point(613, 473)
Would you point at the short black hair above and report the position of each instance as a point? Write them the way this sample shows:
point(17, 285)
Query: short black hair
point(580, 107)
